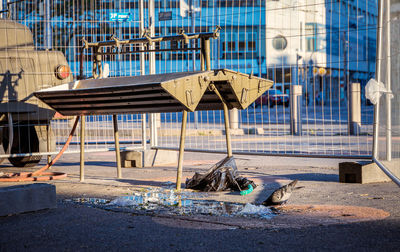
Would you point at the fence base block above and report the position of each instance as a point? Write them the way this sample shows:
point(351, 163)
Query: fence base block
point(361, 172)
point(27, 198)
point(148, 158)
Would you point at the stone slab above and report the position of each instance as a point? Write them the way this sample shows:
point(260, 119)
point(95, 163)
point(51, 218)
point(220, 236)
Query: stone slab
point(148, 158)
point(361, 172)
point(27, 198)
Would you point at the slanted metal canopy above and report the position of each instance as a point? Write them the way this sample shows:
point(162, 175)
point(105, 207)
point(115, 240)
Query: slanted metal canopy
point(155, 93)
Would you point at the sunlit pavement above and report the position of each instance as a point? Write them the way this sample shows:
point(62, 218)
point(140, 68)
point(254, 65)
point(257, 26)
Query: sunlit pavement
point(321, 214)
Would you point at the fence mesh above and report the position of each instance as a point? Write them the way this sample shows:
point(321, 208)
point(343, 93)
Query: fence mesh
point(322, 46)
point(388, 142)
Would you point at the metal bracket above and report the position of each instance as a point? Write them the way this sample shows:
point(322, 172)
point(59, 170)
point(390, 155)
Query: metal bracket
point(182, 32)
point(117, 42)
point(260, 86)
point(243, 98)
point(216, 31)
point(189, 98)
point(203, 81)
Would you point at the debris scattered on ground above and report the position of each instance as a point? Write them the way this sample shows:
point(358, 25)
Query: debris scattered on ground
point(254, 210)
point(281, 195)
point(169, 202)
point(220, 177)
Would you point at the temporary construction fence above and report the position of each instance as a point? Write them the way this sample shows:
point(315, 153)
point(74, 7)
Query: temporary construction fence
point(386, 151)
point(322, 51)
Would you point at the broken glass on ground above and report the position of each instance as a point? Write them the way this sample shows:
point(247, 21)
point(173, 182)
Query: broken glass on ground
point(169, 202)
point(222, 176)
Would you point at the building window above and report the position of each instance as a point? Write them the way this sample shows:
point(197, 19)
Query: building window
point(315, 37)
point(238, 45)
point(279, 43)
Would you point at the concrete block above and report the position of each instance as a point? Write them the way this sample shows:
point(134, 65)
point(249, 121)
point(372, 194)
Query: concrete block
point(236, 132)
point(361, 172)
point(254, 131)
point(131, 159)
point(148, 158)
point(27, 198)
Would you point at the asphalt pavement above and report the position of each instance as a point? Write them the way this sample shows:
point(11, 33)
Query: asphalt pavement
point(321, 215)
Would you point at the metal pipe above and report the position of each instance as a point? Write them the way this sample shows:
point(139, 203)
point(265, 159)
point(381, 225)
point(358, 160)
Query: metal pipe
point(144, 132)
point(144, 51)
point(141, 32)
point(388, 87)
point(252, 153)
point(10, 132)
point(387, 172)
point(142, 70)
point(152, 70)
point(202, 54)
point(48, 34)
point(82, 152)
point(207, 54)
point(378, 78)
point(48, 130)
point(144, 40)
point(117, 150)
point(81, 55)
point(181, 151)
point(227, 130)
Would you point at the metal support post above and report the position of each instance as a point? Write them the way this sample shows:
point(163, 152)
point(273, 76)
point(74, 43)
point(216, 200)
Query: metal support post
point(388, 86)
point(354, 124)
point(295, 110)
point(142, 71)
point(207, 54)
point(152, 70)
point(234, 118)
point(227, 130)
point(48, 132)
point(82, 153)
point(193, 45)
point(144, 132)
point(48, 36)
point(202, 54)
point(378, 78)
point(10, 132)
point(181, 150)
point(117, 149)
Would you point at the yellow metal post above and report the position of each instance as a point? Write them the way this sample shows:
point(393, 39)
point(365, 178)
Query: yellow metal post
point(207, 54)
point(181, 150)
point(227, 130)
point(117, 150)
point(82, 153)
point(202, 54)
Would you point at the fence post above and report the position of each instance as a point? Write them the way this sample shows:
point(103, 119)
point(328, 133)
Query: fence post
point(295, 109)
point(234, 118)
point(154, 119)
point(354, 123)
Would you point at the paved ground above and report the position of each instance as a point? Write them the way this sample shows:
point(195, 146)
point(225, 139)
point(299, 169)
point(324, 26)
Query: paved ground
point(322, 215)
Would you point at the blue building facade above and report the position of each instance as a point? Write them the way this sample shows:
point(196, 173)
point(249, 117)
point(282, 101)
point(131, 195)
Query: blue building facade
point(322, 45)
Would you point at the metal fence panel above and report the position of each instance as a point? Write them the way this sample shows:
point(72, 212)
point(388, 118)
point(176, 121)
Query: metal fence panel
point(322, 46)
point(388, 121)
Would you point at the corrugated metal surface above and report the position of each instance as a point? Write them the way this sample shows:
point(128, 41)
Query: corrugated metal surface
point(154, 93)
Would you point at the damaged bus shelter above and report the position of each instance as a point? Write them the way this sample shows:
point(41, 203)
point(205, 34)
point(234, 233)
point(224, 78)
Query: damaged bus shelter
point(220, 89)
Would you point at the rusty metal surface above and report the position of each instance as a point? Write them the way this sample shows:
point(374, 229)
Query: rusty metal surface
point(155, 93)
